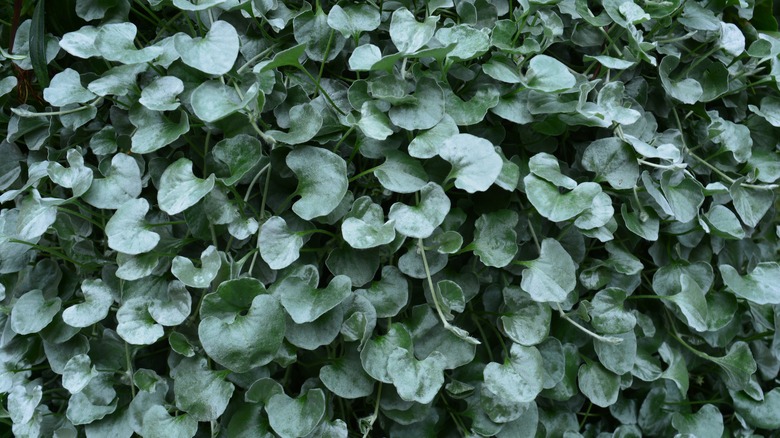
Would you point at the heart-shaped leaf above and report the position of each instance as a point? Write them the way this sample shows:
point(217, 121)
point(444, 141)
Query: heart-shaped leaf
point(213, 54)
point(161, 94)
point(296, 417)
point(279, 245)
point(33, 311)
point(475, 163)
point(495, 240)
point(247, 338)
point(322, 180)
point(180, 189)
point(551, 277)
point(98, 298)
point(183, 268)
point(364, 227)
point(122, 183)
point(421, 220)
point(305, 303)
point(127, 229)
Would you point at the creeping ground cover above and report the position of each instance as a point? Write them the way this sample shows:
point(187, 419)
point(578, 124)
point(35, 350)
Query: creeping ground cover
point(443, 218)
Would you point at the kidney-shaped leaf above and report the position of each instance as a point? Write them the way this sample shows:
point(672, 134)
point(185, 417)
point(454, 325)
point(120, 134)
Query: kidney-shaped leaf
point(421, 220)
point(127, 229)
point(322, 180)
point(246, 339)
point(213, 100)
point(548, 75)
point(305, 303)
point(183, 268)
point(279, 245)
point(296, 417)
point(213, 54)
point(155, 130)
point(97, 301)
point(475, 162)
point(761, 286)
point(557, 206)
point(240, 153)
point(180, 189)
point(365, 226)
point(408, 34)
point(520, 378)
point(495, 239)
point(199, 391)
point(122, 183)
point(552, 276)
point(32, 312)
point(161, 94)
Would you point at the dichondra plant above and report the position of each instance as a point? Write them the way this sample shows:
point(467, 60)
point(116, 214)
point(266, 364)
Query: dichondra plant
point(250, 218)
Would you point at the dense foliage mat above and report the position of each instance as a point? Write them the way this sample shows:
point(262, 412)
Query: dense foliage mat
point(249, 218)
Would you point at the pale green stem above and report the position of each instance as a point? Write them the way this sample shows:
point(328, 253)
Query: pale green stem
point(607, 339)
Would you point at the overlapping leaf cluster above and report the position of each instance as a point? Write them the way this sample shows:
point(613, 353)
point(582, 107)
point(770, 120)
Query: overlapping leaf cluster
point(394, 218)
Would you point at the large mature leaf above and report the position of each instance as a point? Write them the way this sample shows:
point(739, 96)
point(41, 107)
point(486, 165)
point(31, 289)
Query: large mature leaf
point(122, 183)
point(242, 326)
point(760, 286)
point(551, 277)
point(322, 180)
point(554, 205)
point(98, 298)
point(213, 100)
point(421, 220)
point(180, 189)
point(296, 417)
point(200, 392)
point(213, 54)
point(305, 303)
point(155, 131)
point(127, 229)
point(475, 163)
point(279, 245)
point(495, 239)
point(33, 311)
point(408, 34)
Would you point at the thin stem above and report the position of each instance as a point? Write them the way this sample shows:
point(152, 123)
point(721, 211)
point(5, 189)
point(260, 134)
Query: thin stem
point(24, 113)
point(254, 180)
point(533, 236)
point(254, 59)
point(315, 231)
point(421, 249)
point(129, 370)
point(364, 173)
point(375, 415)
point(608, 339)
point(322, 90)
